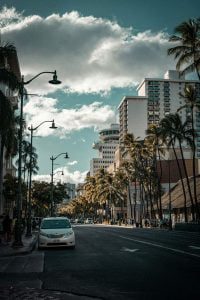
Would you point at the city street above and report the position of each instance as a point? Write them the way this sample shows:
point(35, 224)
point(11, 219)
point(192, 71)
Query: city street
point(111, 263)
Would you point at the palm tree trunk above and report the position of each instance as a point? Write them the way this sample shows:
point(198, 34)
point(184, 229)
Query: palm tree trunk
point(129, 197)
point(135, 201)
point(150, 196)
point(159, 188)
point(197, 70)
point(188, 183)
point(194, 167)
point(143, 208)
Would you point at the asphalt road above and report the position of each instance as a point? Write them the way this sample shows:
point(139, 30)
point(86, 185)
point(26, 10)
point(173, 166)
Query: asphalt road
point(116, 263)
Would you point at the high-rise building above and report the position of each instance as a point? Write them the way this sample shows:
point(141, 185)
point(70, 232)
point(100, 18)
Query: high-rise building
point(107, 144)
point(164, 97)
point(71, 191)
point(133, 116)
point(156, 99)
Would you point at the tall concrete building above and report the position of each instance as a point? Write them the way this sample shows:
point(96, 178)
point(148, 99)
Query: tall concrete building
point(133, 116)
point(157, 98)
point(71, 189)
point(164, 98)
point(107, 145)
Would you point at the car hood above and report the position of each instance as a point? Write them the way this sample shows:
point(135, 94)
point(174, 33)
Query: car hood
point(57, 231)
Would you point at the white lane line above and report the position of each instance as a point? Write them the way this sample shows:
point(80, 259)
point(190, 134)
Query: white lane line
point(129, 250)
point(160, 246)
point(195, 247)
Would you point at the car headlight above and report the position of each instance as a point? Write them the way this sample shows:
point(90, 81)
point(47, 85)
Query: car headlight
point(68, 234)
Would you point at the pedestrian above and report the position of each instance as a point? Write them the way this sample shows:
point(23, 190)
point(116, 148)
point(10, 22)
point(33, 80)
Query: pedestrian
point(7, 228)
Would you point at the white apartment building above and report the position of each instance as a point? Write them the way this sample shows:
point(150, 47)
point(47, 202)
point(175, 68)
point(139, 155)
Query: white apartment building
point(133, 116)
point(107, 144)
point(156, 99)
point(164, 98)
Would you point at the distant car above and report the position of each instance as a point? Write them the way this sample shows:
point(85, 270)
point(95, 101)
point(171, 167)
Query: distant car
point(89, 221)
point(56, 232)
point(164, 223)
point(79, 221)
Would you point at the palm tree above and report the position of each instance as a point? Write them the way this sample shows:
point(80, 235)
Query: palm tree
point(188, 49)
point(132, 165)
point(192, 102)
point(108, 190)
point(126, 175)
point(154, 137)
point(174, 130)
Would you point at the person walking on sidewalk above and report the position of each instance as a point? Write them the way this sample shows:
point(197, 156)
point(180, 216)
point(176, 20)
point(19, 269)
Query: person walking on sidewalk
point(7, 228)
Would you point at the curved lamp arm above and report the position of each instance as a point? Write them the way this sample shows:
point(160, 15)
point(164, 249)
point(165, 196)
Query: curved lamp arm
point(66, 155)
point(44, 72)
point(53, 125)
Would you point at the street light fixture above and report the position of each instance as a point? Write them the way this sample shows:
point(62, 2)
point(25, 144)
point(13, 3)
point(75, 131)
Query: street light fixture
point(28, 232)
point(18, 234)
point(52, 174)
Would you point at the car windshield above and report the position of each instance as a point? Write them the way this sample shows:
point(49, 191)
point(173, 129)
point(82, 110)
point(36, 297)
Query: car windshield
point(55, 224)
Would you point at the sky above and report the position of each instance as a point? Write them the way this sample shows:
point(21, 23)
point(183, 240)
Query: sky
point(101, 50)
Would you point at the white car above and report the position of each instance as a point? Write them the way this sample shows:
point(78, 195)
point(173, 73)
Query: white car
point(89, 221)
point(56, 232)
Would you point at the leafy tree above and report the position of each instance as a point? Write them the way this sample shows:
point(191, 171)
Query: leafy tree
point(41, 200)
point(10, 187)
point(7, 124)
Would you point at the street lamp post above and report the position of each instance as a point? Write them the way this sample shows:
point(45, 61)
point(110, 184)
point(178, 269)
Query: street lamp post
point(18, 234)
point(52, 174)
point(28, 232)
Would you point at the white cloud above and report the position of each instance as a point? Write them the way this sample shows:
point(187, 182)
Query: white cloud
point(90, 54)
point(72, 163)
point(71, 177)
point(95, 115)
point(9, 16)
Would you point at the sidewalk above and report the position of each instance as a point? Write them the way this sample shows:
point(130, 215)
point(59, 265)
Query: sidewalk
point(28, 245)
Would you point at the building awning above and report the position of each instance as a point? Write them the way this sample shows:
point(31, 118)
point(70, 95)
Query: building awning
point(177, 196)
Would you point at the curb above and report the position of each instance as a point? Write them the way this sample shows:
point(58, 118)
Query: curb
point(21, 251)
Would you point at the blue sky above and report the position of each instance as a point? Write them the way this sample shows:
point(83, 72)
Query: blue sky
point(101, 50)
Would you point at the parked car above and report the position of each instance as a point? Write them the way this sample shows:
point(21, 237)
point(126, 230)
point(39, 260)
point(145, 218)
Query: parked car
point(56, 232)
point(89, 221)
point(164, 223)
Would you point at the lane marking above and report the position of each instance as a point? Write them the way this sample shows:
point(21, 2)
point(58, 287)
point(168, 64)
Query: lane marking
point(195, 247)
point(129, 250)
point(160, 246)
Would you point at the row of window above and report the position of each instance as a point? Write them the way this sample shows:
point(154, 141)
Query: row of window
point(108, 147)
